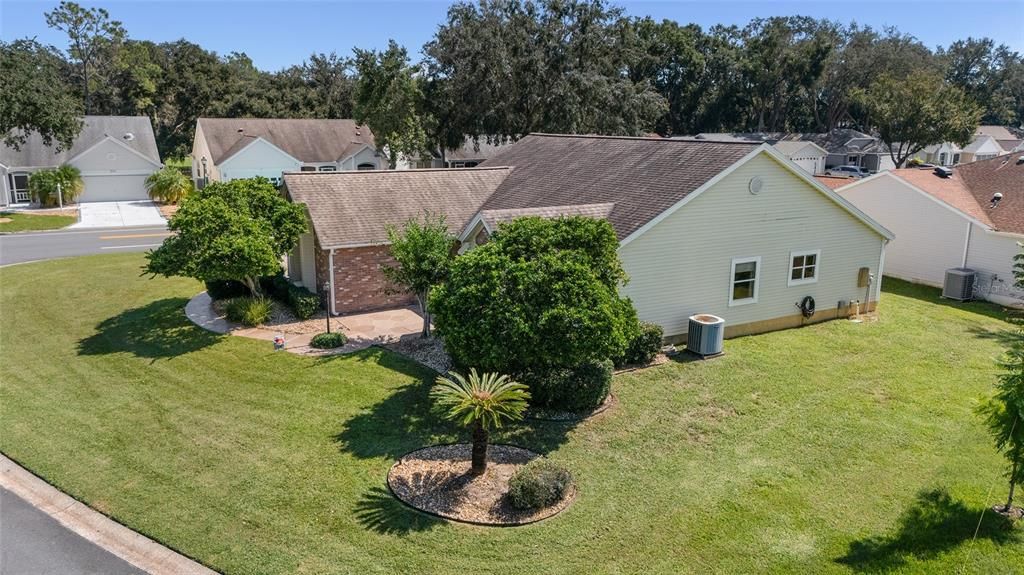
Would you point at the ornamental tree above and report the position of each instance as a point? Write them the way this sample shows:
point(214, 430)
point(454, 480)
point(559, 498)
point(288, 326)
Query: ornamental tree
point(919, 110)
point(482, 402)
point(236, 230)
point(1004, 414)
point(541, 294)
point(423, 253)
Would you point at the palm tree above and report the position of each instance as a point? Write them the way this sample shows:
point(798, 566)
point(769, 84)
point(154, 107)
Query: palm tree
point(168, 185)
point(483, 402)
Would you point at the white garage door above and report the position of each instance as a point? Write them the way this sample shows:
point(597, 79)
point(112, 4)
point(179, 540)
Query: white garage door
point(808, 164)
point(113, 188)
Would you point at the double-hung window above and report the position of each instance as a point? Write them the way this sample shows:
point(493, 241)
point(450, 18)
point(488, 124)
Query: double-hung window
point(744, 280)
point(803, 267)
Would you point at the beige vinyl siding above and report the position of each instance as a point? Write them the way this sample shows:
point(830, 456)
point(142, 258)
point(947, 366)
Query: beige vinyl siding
point(681, 266)
point(930, 236)
point(201, 150)
point(991, 255)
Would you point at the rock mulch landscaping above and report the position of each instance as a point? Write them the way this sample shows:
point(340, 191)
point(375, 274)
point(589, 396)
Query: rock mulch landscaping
point(429, 351)
point(283, 320)
point(436, 480)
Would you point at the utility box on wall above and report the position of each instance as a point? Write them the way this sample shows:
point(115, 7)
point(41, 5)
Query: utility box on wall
point(863, 277)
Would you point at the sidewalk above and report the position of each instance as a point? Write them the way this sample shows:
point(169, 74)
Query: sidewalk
point(80, 520)
point(362, 330)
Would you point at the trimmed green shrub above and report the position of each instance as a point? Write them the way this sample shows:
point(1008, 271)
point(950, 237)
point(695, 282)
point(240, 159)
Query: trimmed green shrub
point(643, 346)
point(328, 340)
point(226, 289)
point(250, 311)
point(44, 183)
point(538, 484)
point(303, 303)
point(578, 389)
point(541, 294)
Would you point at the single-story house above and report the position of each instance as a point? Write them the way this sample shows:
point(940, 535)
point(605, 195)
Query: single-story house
point(470, 154)
point(733, 229)
point(226, 149)
point(948, 222)
point(115, 155)
point(840, 147)
point(988, 142)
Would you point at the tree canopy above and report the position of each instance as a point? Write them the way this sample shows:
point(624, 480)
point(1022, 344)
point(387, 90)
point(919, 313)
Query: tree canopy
point(34, 96)
point(499, 69)
point(387, 98)
point(423, 254)
point(540, 294)
point(236, 230)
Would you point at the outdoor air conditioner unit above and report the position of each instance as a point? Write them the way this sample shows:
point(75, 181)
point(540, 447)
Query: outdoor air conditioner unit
point(959, 284)
point(705, 334)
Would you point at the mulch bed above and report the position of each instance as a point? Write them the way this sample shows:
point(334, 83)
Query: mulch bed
point(1013, 514)
point(429, 352)
point(436, 480)
point(541, 414)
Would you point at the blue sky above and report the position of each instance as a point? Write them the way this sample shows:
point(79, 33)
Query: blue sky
point(276, 34)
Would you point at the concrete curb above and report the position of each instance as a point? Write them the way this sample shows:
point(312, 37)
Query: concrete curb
point(135, 548)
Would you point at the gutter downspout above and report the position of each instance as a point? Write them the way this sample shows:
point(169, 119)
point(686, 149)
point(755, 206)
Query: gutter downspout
point(330, 280)
point(967, 243)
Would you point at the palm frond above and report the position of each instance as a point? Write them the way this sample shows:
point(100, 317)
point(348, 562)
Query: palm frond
point(490, 398)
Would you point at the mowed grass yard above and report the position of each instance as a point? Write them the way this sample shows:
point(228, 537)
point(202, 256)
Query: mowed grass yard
point(27, 222)
point(833, 448)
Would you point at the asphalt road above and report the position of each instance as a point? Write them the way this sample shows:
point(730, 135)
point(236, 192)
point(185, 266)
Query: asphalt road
point(33, 543)
point(28, 247)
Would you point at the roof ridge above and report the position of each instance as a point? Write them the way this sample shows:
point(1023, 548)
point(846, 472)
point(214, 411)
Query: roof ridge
point(638, 138)
point(408, 171)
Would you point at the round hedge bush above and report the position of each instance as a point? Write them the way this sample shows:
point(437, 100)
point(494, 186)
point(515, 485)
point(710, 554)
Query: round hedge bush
point(538, 484)
point(577, 389)
point(328, 340)
point(643, 346)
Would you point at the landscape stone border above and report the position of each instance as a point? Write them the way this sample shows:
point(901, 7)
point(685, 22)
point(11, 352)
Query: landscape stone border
point(439, 453)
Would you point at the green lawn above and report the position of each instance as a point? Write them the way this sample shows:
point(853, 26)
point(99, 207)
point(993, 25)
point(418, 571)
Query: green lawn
point(833, 448)
point(22, 222)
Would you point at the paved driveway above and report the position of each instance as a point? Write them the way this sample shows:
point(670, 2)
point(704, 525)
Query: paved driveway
point(118, 214)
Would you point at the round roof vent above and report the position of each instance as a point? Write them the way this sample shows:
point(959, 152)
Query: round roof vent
point(128, 136)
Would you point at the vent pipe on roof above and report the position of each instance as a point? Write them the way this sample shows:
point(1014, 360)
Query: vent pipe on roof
point(995, 200)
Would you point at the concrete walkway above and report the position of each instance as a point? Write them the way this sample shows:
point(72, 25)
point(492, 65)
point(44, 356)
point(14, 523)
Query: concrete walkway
point(118, 214)
point(363, 330)
point(93, 543)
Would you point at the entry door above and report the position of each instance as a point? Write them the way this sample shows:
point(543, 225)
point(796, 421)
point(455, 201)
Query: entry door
point(19, 188)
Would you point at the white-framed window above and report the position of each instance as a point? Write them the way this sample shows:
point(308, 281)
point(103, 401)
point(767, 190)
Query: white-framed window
point(366, 166)
point(803, 267)
point(744, 280)
point(327, 169)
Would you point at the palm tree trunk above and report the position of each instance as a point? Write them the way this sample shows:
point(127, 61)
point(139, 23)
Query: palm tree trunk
point(479, 458)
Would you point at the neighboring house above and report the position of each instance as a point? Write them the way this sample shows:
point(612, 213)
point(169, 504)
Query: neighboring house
point(942, 223)
point(233, 148)
point(732, 229)
point(115, 155)
point(988, 142)
point(840, 147)
point(470, 154)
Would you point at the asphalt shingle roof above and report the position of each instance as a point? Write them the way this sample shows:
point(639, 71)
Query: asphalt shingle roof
point(306, 140)
point(642, 177)
point(597, 211)
point(34, 154)
point(971, 187)
point(355, 208)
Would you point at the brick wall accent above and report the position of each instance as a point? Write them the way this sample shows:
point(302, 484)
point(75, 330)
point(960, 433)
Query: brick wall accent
point(359, 284)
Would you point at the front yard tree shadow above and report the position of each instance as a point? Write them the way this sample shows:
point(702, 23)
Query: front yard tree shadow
point(380, 511)
point(158, 330)
point(407, 420)
point(933, 524)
